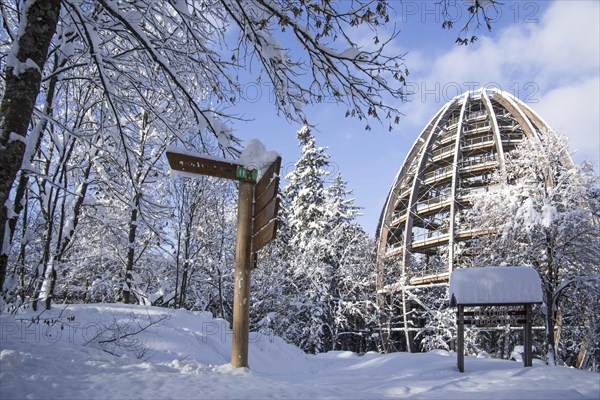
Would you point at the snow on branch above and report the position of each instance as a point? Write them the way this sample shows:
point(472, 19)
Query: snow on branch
point(361, 78)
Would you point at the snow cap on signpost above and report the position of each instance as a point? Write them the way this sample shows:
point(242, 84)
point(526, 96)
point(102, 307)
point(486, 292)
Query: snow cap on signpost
point(494, 286)
point(255, 156)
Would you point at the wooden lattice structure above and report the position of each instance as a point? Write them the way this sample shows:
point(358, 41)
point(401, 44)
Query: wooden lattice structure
point(423, 218)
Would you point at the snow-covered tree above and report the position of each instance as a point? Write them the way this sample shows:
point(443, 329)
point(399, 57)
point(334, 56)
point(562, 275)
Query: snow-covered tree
point(306, 191)
point(204, 225)
point(545, 215)
point(189, 55)
point(321, 262)
point(341, 205)
point(354, 306)
point(133, 184)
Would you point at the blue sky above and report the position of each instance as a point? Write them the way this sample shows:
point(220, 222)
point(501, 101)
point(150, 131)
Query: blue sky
point(547, 53)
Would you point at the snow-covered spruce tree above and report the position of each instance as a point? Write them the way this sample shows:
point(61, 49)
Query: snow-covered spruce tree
point(307, 224)
point(354, 306)
point(350, 251)
point(323, 282)
point(545, 215)
point(341, 208)
point(187, 53)
point(274, 289)
point(306, 192)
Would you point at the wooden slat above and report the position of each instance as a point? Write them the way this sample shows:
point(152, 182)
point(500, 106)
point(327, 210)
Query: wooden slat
point(264, 236)
point(430, 279)
point(268, 213)
point(268, 194)
point(264, 181)
point(498, 304)
point(508, 312)
point(266, 207)
point(485, 324)
point(205, 166)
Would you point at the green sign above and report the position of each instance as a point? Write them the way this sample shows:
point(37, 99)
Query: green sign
point(243, 173)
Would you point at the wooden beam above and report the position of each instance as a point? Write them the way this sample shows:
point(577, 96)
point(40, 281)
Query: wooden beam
point(460, 350)
point(527, 338)
point(430, 279)
point(210, 167)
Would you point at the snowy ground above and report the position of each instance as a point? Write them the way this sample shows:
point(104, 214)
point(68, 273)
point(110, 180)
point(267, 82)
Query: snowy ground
point(187, 355)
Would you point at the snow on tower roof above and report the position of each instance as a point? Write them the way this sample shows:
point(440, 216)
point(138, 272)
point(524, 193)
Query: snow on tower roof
point(495, 286)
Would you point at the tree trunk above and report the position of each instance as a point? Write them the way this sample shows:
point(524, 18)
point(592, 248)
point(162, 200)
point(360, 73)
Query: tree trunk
point(50, 281)
point(37, 138)
point(23, 250)
point(551, 301)
point(41, 272)
point(550, 320)
point(184, 283)
point(177, 254)
point(221, 300)
point(67, 237)
point(186, 258)
point(22, 86)
point(131, 249)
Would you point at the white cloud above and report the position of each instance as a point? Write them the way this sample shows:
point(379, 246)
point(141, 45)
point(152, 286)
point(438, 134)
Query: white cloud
point(553, 65)
point(574, 111)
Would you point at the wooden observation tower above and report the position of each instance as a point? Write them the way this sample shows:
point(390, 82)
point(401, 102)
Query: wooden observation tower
point(422, 221)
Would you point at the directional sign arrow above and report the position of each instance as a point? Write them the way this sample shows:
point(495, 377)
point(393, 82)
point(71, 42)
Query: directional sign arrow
point(266, 207)
point(211, 167)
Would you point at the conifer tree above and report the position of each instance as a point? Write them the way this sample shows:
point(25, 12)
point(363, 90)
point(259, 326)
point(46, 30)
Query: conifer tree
point(306, 191)
point(324, 288)
point(341, 207)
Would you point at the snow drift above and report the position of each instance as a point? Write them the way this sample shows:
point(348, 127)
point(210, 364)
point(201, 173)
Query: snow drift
point(117, 351)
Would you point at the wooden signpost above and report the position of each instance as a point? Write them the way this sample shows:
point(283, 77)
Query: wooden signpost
point(494, 316)
point(493, 297)
point(258, 205)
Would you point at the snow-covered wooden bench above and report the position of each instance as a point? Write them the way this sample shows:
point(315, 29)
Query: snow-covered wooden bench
point(495, 286)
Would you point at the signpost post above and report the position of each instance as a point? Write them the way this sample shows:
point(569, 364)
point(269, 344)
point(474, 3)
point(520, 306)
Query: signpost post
point(258, 205)
point(241, 290)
